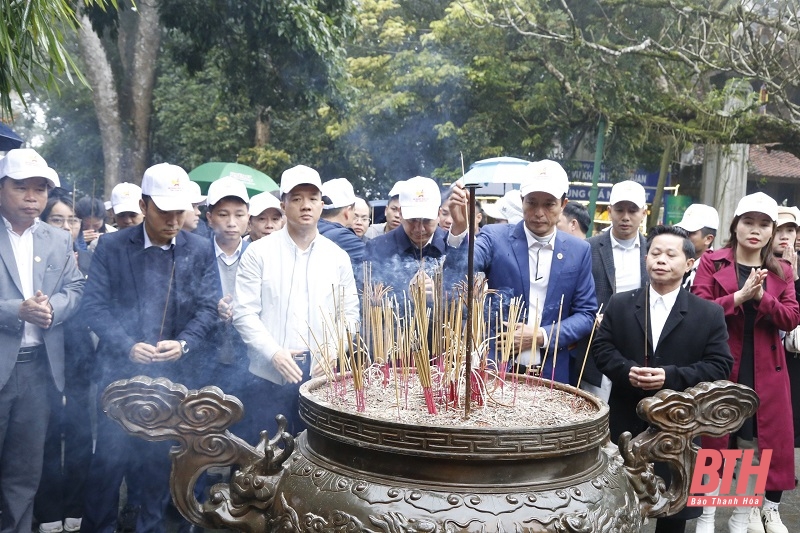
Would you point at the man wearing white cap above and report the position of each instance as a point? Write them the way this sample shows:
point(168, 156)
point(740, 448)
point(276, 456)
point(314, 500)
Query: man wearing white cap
point(542, 265)
point(289, 285)
point(193, 221)
point(266, 216)
point(418, 244)
point(506, 210)
point(618, 258)
point(151, 299)
point(392, 213)
point(125, 204)
point(227, 216)
point(338, 215)
point(701, 222)
point(39, 288)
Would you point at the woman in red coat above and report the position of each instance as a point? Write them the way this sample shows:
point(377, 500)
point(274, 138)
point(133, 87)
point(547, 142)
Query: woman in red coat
point(757, 293)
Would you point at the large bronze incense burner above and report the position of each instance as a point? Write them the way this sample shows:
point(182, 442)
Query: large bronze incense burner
point(350, 472)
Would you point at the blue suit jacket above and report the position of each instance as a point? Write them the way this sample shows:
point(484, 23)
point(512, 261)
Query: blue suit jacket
point(501, 252)
point(116, 289)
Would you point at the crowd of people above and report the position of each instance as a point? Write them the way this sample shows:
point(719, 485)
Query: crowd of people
point(232, 290)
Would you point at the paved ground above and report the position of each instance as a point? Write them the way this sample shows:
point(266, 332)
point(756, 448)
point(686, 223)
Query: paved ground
point(790, 509)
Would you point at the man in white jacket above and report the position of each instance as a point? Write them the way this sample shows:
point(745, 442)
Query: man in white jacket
point(293, 288)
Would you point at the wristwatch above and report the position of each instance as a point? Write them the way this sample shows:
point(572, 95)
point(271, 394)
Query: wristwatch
point(184, 347)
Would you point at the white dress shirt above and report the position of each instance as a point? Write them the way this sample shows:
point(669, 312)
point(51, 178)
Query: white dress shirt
point(22, 245)
point(627, 263)
point(540, 259)
point(660, 308)
point(227, 259)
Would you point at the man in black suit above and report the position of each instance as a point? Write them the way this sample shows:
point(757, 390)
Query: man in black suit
point(660, 337)
point(152, 300)
point(617, 266)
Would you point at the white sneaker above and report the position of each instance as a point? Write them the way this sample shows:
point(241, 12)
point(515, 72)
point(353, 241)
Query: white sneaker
point(51, 527)
point(71, 525)
point(754, 523)
point(772, 521)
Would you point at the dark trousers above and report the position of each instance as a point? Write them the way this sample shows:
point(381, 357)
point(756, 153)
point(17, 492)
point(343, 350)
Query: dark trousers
point(24, 412)
point(115, 454)
point(61, 492)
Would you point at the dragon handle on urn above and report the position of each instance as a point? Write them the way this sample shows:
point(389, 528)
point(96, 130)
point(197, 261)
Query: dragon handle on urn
point(253, 501)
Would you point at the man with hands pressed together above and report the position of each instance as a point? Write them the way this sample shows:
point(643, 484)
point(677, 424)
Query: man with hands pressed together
point(151, 299)
point(660, 337)
point(39, 288)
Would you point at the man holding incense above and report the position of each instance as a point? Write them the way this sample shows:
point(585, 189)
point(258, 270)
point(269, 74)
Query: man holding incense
point(660, 337)
point(151, 298)
point(546, 267)
point(292, 287)
point(40, 286)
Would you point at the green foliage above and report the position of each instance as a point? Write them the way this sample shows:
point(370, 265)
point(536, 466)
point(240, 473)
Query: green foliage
point(32, 51)
point(195, 121)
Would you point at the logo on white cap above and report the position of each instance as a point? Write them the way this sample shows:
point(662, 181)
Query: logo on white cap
point(420, 198)
point(125, 198)
point(628, 191)
point(24, 163)
point(545, 176)
point(167, 185)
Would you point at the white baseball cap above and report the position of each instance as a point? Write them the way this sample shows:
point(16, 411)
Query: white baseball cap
point(420, 198)
point(195, 195)
point(263, 201)
point(299, 175)
point(226, 186)
point(24, 163)
point(786, 215)
point(699, 216)
point(545, 176)
point(758, 203)
point(628, 191)
point(339, 193)
point(396, 188)
point(508, 207)
point(168, 186)
point(125, 198)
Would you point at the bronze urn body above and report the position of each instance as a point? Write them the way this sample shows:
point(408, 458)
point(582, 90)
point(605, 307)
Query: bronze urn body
point(349, 472)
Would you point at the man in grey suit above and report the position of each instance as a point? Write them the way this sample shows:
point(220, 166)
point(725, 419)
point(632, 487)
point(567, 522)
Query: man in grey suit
point(39, 289)
point(617, 265)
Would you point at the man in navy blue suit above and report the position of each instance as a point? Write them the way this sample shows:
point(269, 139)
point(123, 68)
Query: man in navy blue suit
point(533, 260)
point(151, 299)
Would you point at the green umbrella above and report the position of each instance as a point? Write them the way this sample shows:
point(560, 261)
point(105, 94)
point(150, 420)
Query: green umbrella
point(255, 181)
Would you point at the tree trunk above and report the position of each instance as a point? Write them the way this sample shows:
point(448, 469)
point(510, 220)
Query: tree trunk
point(663, 172)
point(263, 126)
point(100, 76)
point(142, 76)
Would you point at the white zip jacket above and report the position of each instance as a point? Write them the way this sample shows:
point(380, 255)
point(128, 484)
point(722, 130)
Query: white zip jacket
point(266, 313)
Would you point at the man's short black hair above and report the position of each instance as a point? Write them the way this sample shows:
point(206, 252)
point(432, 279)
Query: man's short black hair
point(708, 231)
point(328, 214)
point(577, 211)
point(688, 247)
